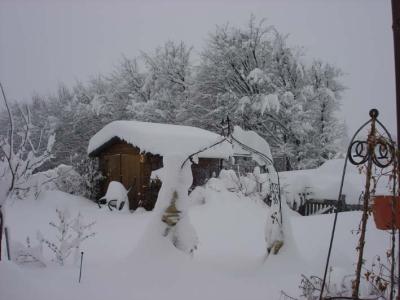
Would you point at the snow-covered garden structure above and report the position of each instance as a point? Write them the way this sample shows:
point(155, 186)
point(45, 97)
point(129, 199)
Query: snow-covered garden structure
point(130, 151)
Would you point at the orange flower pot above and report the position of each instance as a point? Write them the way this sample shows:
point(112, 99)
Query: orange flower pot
point(382, 212)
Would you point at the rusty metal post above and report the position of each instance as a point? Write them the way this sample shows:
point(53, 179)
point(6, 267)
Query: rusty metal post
point(393, 231)
point(371, 148)
point(396, 44)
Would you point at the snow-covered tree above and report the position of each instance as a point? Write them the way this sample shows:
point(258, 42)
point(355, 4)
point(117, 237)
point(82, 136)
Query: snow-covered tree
point(322, 102)
point(19, 155)
point(248, 73)
point(251, 74)
point(169, 78)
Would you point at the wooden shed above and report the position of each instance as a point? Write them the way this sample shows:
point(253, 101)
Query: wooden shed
point(129, 151)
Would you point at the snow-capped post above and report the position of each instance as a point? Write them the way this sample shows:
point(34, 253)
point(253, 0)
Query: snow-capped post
point(172, 203)
point(80, 269)
point(378, 150)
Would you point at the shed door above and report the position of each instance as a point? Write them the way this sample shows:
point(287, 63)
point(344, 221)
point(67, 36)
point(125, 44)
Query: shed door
point(113, 165)
point(131, 178)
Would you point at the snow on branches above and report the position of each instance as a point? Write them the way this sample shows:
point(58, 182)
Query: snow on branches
point(70, 234)
point(20, 154)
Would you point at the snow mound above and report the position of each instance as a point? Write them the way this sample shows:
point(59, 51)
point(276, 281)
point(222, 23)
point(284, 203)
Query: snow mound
point(117, 192)
point(126, 258)
point(162, 139)
point(253, 140)
point(230, 226)
point(324, 182)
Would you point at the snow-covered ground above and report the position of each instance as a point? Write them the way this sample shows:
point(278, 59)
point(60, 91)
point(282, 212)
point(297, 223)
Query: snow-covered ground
point(123, 261)
point(324, 182)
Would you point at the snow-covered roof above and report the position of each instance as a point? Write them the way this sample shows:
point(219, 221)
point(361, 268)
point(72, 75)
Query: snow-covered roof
point(252, 140)
point(162, 139)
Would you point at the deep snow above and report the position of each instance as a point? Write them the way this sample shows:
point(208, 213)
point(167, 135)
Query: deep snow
point(125, 260)
point(324, 182)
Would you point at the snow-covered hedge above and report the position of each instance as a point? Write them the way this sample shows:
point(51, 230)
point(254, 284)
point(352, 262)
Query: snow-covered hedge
point(63, 178)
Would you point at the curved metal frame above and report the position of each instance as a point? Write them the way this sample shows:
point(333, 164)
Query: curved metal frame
point(265, 158)
point(363, 159)
point(270, 163)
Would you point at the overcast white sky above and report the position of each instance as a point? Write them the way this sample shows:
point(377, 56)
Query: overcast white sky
point(43, 43)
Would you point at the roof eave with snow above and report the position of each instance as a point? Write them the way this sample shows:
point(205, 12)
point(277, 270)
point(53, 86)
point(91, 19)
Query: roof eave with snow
point(161, 139)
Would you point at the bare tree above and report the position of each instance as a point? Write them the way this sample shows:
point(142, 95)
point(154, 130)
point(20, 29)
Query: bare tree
point(19, 156)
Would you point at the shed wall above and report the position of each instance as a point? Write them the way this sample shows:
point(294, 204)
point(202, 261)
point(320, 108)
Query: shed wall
point(124, 163)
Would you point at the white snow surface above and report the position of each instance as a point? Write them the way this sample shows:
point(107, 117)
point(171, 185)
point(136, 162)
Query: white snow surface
point(127, 260)
point(253, 140)
point(324, 182)
point(162, 139)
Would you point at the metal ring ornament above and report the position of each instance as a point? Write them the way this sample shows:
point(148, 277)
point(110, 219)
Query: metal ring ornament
point(358, 152)
point(383, 154)
point(381, 157)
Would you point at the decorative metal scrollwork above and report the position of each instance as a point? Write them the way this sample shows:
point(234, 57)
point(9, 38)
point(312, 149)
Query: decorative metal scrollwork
point(382, 155)
point(358, 152)
point(274, 190)
point(378, 149)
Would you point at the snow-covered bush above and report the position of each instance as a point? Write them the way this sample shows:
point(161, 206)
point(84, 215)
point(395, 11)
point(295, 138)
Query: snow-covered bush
point(83, 180)
point(28, 254)
point(91, 177)
point(69, 180)
point(70, 234)
point(374, 284)
point(63, 178)
point(229, 179)
point(249, 184)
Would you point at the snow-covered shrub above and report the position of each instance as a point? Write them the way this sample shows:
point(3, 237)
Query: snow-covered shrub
point(229, 179)
point(71, 233)
point(374, 282)
point(89, 170)
point(215, 184)
point(82, 180)
point(63, 178)
point(68, 180)
point(28, 254)
point(249, 184)
point(198, 196)
point(296, 199)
